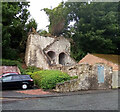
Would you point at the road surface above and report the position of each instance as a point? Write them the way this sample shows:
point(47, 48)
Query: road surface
point(94, 101)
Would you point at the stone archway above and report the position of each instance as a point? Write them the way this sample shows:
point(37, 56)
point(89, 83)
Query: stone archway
point(62, 57)
point(51, 54)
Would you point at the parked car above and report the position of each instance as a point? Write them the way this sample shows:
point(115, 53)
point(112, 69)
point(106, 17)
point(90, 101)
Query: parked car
point(9, 73)
point(17, 81)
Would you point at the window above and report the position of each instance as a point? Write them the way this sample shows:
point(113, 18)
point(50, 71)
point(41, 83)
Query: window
point(25, 77)
point(7, 78)
point(16, 78)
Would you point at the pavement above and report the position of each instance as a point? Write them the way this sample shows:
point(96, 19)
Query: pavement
point(39, 93)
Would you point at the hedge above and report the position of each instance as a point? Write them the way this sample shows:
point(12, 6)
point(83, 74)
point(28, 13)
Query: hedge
point(47, 79)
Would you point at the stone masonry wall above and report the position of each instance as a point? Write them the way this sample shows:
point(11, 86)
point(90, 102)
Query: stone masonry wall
point(71, 70)
point(87, 79)
point(34, 55)
point(43, 52)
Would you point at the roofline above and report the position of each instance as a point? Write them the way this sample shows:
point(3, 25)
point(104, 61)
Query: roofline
point(104, 58)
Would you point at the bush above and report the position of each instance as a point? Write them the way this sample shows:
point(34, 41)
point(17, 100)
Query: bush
point(47, 79)
point(32, 69)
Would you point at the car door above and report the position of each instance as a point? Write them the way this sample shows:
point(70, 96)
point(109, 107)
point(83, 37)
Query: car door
point(16, 81)
point(6, 81)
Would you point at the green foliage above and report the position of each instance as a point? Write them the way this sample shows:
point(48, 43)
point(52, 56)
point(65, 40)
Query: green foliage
point(32, 23)
point(42, 32)
point(57, 18)
point(96, 28)
point(15, 27)
point(47, 79)
point(32, 69)
point(11, 53)
point(74, 77)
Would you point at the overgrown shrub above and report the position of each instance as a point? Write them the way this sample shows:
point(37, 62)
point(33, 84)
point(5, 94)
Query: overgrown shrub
point(32, 69)
point(47, 79)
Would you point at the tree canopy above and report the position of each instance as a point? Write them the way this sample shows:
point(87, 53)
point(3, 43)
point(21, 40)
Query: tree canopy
point(96, 28)
point(57, 18)
point(15, 27)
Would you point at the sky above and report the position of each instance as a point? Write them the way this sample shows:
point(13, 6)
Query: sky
point(40, 16)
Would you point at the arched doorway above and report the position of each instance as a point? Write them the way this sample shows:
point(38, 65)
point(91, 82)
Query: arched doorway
point(51, 54)
point(62, 57)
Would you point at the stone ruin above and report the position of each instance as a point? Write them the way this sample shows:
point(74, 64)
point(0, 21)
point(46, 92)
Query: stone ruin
point(54, 53)
point(45, 52)
point(87, 79)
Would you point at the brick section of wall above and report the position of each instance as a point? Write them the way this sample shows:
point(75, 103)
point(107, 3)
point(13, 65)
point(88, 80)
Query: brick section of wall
point(4, 69)
point(91, 59)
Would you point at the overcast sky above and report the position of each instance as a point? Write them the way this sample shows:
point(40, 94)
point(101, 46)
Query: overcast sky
point(40, 16)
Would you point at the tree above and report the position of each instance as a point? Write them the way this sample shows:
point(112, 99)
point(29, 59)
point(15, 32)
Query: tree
point(57, 18)
point(15, 28)
point(96, 28)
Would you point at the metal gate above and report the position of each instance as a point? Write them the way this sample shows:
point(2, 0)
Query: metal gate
point(100, 74)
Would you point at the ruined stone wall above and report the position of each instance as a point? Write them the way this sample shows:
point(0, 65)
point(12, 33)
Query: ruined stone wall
point(41, 41)
point(43, 52)
point(68, 86)
point(87, 79)
point(61, 45)
point(72, 70)
point(34, 55)
point(61, 48)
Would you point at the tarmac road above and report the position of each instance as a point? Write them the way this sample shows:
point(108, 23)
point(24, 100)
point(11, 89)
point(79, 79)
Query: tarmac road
point(107, 100)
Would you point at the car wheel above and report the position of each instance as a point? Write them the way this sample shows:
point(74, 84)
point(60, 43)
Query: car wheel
point(24, 86)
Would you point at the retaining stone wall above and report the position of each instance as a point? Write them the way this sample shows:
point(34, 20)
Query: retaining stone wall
point(87, 79)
